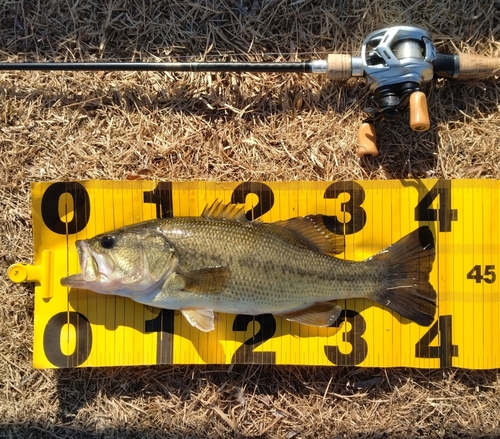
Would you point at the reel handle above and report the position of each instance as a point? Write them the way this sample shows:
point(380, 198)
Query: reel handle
point(419, 121)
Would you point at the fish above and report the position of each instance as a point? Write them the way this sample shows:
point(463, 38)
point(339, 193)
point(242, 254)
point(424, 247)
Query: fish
point(221, 262)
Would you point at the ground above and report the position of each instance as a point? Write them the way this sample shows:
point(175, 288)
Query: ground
point(220, 126)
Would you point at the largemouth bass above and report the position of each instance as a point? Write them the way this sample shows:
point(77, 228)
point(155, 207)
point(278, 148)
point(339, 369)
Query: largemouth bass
point(221, 262)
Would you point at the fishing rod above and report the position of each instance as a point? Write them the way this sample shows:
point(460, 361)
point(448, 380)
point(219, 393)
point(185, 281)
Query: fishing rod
point(396, 62)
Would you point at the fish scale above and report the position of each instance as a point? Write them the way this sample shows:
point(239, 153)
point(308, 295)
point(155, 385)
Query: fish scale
point(221, 262)
point(266, 272)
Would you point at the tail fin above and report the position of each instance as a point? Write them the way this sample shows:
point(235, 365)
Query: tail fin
point(405, 286)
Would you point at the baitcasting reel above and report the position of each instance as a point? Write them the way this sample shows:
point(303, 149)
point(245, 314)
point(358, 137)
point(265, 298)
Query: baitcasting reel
point(397, 62)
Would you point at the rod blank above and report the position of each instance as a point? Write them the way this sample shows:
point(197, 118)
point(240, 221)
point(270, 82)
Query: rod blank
point(257, 67)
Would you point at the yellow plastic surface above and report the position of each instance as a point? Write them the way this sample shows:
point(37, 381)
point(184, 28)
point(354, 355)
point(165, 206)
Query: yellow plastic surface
point(35, 273)
point(81, 328)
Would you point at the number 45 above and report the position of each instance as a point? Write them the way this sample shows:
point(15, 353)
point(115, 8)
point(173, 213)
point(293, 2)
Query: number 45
point(489, 275)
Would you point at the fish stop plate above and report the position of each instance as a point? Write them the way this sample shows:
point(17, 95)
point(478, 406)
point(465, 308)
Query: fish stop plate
point(79, 328)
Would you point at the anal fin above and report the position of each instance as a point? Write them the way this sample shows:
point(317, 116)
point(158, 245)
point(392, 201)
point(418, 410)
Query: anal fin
point(320, 314)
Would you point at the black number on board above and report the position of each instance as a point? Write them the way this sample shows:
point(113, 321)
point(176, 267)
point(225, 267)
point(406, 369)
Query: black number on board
point(50, 208)
point(353, 207)
point(245, 353)
point(446, 350)
point(489, 276)
point(444, 213)
point(161, 196)
point(263, 191)
point(53, 334)
point(359, 346)
point(163, 325)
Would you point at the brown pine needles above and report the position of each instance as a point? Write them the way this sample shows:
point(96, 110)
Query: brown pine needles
point(221, 126)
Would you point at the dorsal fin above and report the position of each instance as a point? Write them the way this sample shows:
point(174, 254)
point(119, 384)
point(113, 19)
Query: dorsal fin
point(219, 210)
point(310, 231)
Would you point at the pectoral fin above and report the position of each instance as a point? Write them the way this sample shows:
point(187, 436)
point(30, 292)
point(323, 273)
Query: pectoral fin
point(203, 319)
point(319, 314)
point(205, 280)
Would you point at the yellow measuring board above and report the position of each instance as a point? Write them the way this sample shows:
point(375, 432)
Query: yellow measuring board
point(81, 328)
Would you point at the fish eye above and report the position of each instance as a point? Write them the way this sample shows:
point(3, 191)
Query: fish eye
point(108, 242)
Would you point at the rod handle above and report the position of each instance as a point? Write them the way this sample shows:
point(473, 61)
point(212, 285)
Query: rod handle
point(477, 66)
point(339, 66)
point(419, 114)
point(367, 140)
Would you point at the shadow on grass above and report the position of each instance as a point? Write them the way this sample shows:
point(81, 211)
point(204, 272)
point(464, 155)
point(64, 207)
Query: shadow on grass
point(403, 152)
point(183, 386)
point(48, 430)
point(79, 387)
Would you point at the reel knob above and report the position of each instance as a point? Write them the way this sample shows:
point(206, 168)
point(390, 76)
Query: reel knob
point(367, 140)
point(419, 114)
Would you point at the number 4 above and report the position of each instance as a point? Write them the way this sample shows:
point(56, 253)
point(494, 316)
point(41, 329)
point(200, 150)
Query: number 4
point(446, 350)
point(444, 213)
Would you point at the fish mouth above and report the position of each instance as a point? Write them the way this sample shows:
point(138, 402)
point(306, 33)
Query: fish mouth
point(95, 267)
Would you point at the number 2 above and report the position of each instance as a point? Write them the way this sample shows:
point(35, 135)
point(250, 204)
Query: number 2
point(263, 191)
point(245, 353)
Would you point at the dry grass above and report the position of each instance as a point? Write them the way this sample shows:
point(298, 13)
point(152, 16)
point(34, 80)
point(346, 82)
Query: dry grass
point(70, 126)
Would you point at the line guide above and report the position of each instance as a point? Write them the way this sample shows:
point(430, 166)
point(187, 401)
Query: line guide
point(81, 328)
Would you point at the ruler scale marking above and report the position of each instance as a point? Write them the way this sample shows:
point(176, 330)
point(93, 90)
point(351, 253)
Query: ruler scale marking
point(462, 215)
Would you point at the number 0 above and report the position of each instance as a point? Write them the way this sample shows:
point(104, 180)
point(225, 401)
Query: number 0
point(50, 209)
point(52, 339)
